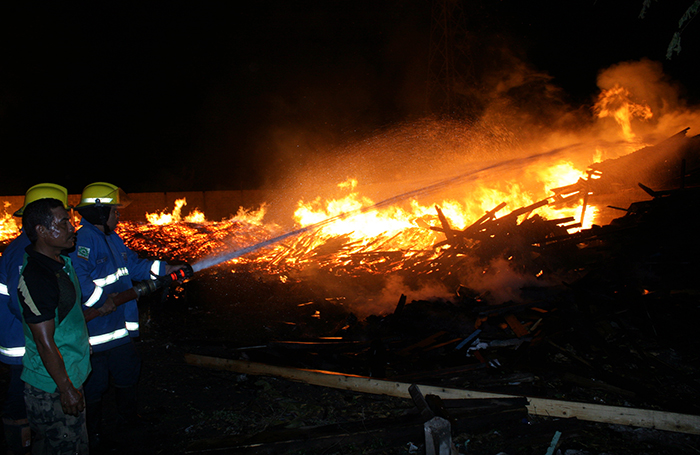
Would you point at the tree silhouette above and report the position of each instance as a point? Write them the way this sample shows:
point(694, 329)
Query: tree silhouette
point(675, 45)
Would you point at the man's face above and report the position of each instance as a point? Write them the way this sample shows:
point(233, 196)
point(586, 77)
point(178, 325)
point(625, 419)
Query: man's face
point(61, 233)
point(113, 219)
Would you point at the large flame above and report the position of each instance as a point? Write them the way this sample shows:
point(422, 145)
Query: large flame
point(359, 226)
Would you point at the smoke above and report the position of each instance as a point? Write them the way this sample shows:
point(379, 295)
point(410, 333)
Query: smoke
point(646, 80)
point(499, 283)
point(394, 287)
point(522, 113)
point(647, 85)
point(324, 134)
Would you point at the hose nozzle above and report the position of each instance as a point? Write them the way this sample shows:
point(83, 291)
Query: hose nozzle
point(147, 287)
point(181, 274)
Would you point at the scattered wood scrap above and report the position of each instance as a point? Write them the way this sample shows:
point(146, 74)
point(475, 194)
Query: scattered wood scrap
point(645, 418)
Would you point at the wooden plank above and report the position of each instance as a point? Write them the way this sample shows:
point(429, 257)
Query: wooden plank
point(644, 418)
point(446, 229)
point(317, 345)
point(473, 228)
point(518, 329)
point(419, 400)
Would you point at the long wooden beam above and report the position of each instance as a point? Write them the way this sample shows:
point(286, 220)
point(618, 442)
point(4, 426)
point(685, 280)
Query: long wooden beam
point(644, 418)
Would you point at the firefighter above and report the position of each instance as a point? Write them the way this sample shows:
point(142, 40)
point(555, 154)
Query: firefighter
point(105, 267)
point(14, 414)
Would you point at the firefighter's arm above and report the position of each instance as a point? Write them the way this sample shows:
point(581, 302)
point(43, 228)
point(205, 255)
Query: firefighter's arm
point(72, 400)
point(92, 295)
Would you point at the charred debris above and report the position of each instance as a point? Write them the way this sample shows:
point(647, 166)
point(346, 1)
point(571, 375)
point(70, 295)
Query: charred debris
point(614, 324)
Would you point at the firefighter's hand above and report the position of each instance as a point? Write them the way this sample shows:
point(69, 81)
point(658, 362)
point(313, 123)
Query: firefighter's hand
point(108, 306)
point(72, 401)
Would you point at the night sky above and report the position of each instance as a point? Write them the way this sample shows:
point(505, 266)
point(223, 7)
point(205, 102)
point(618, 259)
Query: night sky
point(166, 96)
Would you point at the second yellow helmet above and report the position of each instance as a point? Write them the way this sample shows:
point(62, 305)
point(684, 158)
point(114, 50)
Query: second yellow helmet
point(102, 193)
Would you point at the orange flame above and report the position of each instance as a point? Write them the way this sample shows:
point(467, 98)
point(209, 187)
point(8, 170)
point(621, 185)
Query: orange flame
point(162, 218)
point(359, 230)
point(617, 103)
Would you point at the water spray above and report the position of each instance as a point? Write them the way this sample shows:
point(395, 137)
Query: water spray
point(225, 257)
point(468, 176)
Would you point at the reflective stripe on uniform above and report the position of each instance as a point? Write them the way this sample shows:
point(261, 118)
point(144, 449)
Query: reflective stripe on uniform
point(132, 326)
point(155, 269)
point(3, 289)
point(111, 278)
point(12, 352)
point(107, 337)
point(102, 282)
point(95, 297)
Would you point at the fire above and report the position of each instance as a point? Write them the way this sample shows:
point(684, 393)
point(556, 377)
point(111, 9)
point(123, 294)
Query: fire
point(354, 232)
point(617, 103)
point(162, 218)
point(8, 226)
point(368, 224)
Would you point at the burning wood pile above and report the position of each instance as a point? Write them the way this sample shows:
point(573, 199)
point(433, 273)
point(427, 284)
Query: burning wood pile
point(602, 314)
point(428, 247)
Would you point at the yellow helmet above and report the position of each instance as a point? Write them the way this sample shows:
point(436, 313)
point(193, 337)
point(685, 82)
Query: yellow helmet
point(101, 193)
point(44, 191)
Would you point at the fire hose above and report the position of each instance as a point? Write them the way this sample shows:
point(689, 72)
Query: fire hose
point(143, 288)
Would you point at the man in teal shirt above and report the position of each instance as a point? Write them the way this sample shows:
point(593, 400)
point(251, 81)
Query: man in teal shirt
point(57, 357)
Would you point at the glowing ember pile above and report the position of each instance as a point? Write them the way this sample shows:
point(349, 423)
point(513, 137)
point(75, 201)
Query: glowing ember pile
point(170, 237)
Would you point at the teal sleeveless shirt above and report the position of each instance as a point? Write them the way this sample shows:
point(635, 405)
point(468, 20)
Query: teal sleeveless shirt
point(71, 338)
